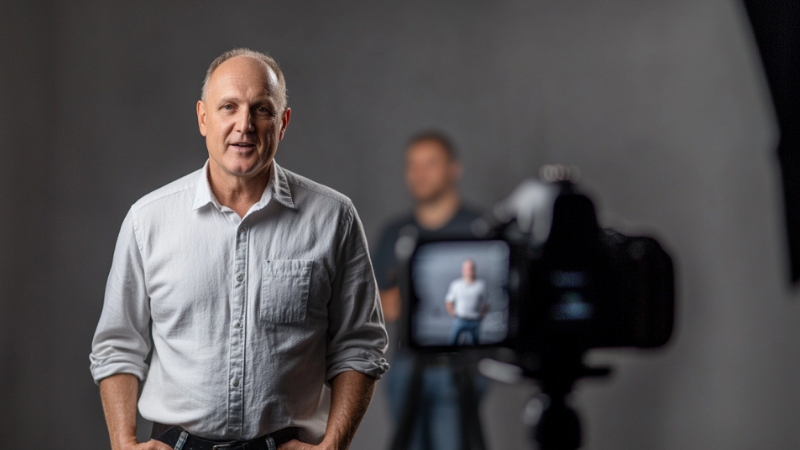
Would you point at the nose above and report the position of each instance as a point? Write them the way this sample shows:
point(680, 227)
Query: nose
point(245, 121)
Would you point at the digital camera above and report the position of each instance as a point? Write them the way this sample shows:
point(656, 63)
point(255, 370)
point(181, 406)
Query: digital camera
point(539, 275)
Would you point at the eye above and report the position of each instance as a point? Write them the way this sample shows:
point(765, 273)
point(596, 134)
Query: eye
point(263, 111)
point(227, 107)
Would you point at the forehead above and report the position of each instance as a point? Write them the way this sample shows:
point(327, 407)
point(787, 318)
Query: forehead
point(242, 73)
point(426, 149)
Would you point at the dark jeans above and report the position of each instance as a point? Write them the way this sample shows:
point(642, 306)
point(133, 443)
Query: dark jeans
point(470, 327)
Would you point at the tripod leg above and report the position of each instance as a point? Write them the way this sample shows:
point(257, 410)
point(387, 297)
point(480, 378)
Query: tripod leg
point(404, 432)
point(471, 430)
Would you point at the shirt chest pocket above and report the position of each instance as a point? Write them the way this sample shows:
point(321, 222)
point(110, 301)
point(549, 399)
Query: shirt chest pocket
point(285, 287)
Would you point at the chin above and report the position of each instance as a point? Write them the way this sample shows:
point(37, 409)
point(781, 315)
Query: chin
point(248, 173)
point(245, 169)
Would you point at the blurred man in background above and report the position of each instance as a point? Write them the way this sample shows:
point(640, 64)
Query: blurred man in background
point(432, 173)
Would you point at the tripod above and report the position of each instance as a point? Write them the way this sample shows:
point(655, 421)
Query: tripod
point(558, 427)
point(464, 378)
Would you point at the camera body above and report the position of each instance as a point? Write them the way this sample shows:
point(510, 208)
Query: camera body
point(539, 276)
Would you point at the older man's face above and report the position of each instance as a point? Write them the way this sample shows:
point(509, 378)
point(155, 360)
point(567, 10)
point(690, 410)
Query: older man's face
point(468, 270)
point(239, 117)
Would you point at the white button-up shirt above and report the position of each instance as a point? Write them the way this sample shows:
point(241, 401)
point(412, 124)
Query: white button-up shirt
point(468, 298)
point(247, 318)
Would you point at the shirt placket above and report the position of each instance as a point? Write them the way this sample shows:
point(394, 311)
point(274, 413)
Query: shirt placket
point(236, 376)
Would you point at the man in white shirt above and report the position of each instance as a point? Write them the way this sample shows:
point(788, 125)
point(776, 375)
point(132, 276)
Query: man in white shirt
point(240, 296)
point(466, 302)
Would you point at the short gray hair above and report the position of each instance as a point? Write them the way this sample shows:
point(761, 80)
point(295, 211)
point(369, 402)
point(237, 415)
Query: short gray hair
point(280, 92)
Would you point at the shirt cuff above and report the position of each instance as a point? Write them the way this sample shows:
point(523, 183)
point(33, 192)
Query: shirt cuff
point(368, 362)
point(105, 368)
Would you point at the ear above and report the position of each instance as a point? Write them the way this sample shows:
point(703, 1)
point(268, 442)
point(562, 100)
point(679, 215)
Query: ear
point(287, 115)
point(201, 116)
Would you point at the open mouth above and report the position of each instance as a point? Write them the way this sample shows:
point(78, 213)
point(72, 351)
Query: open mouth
point(243, 145)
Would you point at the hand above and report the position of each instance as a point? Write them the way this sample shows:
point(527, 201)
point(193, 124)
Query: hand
point(149, 445)
point(294, 444)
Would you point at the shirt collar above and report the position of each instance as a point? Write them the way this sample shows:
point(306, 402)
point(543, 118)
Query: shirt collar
point(280, 186)
point(277, 188)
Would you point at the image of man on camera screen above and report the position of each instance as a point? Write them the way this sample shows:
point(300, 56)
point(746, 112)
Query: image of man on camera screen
point(466, 303)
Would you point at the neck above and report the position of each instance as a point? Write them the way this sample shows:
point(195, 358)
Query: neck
point(435, 213)
point(237, 193)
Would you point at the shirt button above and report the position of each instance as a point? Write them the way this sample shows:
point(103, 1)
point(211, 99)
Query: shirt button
point(238, 324)
point(235, 383)
point(239, 277)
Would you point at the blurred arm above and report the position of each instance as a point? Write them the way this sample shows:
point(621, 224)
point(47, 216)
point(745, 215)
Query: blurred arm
point(391, 304)
point(450, 299)
point(451, 308)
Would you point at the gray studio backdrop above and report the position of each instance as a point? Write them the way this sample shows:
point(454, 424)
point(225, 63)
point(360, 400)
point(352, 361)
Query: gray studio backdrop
point(660, 103)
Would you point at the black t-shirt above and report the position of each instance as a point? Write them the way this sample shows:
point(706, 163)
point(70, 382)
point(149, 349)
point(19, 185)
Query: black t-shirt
point(384, 261)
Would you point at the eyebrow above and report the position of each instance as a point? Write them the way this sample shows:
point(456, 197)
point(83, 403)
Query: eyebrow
point(233, 99)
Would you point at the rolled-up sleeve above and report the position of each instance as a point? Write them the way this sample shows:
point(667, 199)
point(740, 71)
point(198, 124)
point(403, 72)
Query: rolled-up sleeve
point(122, 340)
point(357, 337)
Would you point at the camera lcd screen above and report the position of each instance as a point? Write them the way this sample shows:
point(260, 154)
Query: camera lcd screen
point(573, 299)
point(460, 293)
